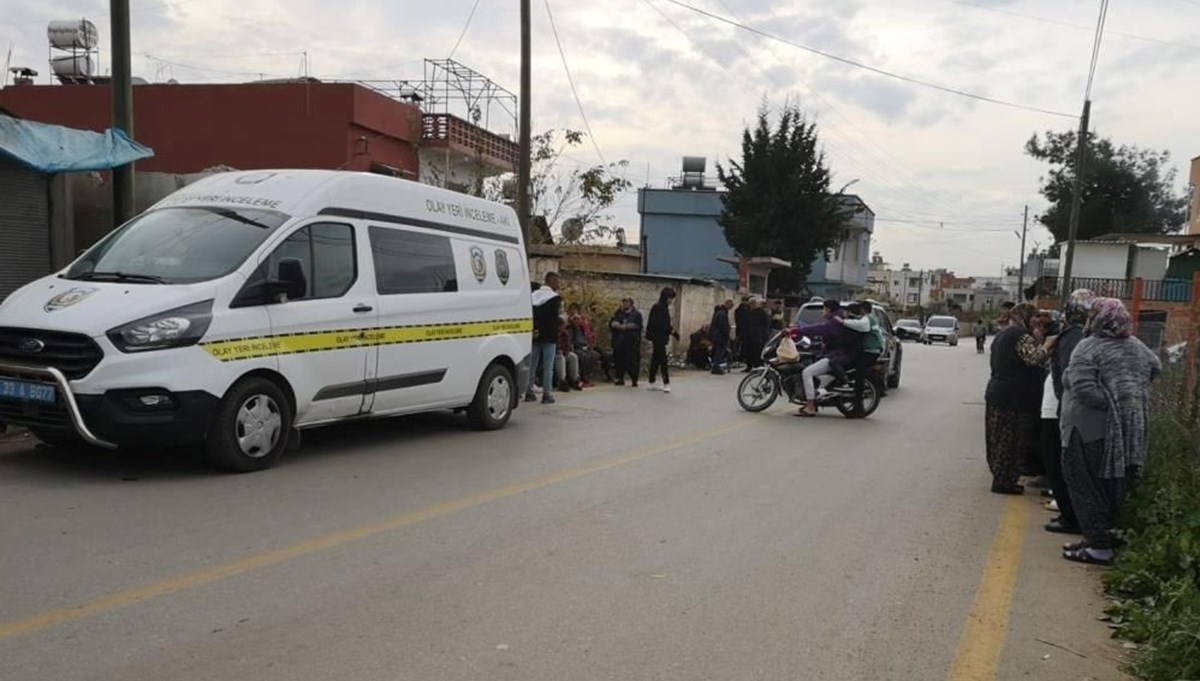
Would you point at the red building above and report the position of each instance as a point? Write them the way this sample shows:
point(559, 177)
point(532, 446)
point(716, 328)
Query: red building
point(246, 125)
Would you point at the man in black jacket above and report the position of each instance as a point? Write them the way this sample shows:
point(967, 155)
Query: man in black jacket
point(626, 325)
point(659, 332)
point(720, 332)
point(547, 308)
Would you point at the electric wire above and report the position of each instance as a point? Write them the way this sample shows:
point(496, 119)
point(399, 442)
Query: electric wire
point(465, 28)
point(574, 93)
point(1096, 48)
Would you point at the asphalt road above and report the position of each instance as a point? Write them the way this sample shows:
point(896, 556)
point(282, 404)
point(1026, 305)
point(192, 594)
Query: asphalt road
point(619, 534)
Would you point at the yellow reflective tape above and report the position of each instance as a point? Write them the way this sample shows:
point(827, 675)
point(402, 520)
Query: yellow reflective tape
point(320, 341)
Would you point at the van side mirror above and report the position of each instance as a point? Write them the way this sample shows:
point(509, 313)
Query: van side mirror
point(290, 279)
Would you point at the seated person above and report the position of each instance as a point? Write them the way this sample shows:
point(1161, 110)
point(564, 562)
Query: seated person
point(841, 346)
point(582, 342)
point(566, 362)
point(699, 353)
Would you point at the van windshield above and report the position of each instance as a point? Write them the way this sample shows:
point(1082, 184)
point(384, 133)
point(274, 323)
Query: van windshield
point(942, 322)
point(178, 246)
point(810, 315)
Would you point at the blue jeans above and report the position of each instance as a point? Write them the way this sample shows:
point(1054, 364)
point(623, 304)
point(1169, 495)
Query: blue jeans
point(543, 354)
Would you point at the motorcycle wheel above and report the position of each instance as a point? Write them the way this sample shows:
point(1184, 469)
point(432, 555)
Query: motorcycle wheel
point(871, 398)
point(757, 391)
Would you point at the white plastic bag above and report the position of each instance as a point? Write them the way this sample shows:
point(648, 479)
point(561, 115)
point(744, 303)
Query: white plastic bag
point(787, 352)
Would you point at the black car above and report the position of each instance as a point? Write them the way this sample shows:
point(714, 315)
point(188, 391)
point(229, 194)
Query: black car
point(908, 329)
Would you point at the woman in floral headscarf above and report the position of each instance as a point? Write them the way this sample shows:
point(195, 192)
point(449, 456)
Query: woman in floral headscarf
point(1014, 399)
point(1105, 409)
point(1074, 319)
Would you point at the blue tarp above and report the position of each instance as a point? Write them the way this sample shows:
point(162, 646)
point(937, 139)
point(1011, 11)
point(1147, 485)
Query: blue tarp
point(55, 149)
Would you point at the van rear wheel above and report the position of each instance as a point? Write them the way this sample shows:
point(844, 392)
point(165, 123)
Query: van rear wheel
point(493, 404)
point(251, 426)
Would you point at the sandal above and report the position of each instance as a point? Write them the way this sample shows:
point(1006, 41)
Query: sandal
point(805, 414)
point(1057, 525)
point(1085, 555)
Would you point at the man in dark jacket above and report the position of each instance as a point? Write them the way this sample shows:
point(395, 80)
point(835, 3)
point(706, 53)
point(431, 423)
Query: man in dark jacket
point(753, 335)
point(720, 333)
point(626, 325)
point(659, 332)
point(741, 319)
point(547, 308)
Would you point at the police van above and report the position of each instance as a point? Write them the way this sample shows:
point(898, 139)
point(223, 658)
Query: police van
point(250, 305)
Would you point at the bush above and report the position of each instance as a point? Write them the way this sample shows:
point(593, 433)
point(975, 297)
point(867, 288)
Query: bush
point(1156, 582)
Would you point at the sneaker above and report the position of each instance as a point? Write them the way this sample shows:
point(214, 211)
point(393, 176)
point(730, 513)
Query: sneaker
point(530, 397)
point(548, 399)
point(621, 382)
point(652, 386)
point(666, 388)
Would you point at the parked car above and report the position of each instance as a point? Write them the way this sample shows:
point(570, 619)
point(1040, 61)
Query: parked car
point(940, 329)
point(893, 355)
point(908, 329)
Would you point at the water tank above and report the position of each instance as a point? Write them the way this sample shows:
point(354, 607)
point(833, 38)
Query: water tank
point(73, 34)
point(73, 66)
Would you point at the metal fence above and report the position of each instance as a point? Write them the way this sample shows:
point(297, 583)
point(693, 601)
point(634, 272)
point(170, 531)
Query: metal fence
point(1157, 290)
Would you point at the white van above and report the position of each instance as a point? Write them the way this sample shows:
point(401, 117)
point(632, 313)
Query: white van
point(252, 304)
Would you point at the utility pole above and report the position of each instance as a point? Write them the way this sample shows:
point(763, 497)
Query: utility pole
point(122, 106)
point(1076, 200)
point(1021, 272)
point(524, 140)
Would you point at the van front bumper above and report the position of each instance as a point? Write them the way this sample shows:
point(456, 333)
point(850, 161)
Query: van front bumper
point(115, 418)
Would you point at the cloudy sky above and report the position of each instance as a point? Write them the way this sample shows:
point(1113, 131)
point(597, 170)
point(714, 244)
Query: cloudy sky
point(946, 175)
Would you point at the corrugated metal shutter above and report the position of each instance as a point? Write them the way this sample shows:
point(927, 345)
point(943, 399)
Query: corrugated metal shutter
point(24, 227)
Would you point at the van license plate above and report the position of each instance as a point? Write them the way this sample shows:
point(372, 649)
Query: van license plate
point(23, 391)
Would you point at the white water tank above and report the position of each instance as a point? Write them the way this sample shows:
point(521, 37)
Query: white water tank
point(73, 66)
point(73, 34)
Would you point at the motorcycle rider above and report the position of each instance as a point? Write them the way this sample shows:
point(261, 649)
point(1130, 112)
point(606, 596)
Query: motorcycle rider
point(842, 345)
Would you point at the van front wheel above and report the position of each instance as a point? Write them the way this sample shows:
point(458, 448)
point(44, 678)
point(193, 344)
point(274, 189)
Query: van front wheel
point(251, 427)
point(493, 403)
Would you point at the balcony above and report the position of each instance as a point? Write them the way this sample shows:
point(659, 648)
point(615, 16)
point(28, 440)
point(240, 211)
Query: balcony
point(495, 152)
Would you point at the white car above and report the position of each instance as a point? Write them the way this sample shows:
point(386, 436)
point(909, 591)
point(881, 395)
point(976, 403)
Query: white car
point(252, 304)
point(940, 329)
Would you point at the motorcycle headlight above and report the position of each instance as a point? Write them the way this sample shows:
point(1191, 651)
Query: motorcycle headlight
point(176, 328)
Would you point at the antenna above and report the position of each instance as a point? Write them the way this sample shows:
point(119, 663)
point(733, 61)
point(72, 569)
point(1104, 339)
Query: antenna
point(572, 230)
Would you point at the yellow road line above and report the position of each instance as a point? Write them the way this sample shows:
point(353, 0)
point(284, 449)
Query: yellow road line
point(987, 624)
point(199, 578)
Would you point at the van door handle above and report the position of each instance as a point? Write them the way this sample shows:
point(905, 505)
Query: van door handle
point(362, 308)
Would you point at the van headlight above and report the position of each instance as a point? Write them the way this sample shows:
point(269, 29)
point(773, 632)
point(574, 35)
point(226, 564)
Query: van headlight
point(171, 329)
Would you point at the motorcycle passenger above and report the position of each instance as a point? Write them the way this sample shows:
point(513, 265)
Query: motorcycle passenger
point(841, 347)
point(873, 344)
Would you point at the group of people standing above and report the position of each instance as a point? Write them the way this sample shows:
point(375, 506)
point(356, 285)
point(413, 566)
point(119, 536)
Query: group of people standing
point(752, 324)
point(1069, 400)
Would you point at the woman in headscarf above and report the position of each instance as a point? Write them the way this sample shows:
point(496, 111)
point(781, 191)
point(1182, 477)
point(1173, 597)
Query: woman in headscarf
point(1014, 399)
point(1105, 410)
point(1074, 318)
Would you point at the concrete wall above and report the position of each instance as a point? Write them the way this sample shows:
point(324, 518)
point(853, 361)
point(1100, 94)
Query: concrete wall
point(1150, 263)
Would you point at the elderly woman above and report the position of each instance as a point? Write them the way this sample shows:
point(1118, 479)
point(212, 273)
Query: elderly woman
point(1105, 410)
point(1014, 399)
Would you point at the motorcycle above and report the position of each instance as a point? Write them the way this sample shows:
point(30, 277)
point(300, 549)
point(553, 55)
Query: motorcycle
point(762, 386)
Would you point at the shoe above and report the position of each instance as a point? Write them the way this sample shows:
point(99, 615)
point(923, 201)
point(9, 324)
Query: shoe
point(666, 388)
point(1007, 489)
point(530, 397)
point(548, 399)
point(621, 382)
point(1057, 526)
point(1040, 482)
point(634, 384)
point(1051, 505)
point(652, 386)
point(587, 384)
point(718, 372)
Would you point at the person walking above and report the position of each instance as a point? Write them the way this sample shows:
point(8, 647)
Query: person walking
point(1105, 412)
point(626, 325)
point(1074, 317)
point(980, 336)
point(754, 335)
point(547, 308)
point(720, 333)
point(659, 331)
point(1014, 399)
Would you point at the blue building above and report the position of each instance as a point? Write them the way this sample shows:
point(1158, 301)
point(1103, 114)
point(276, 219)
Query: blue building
point(680, 236)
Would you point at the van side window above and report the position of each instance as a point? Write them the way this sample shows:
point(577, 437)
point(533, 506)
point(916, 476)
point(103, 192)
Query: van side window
point(326, 253)
point(412, 262)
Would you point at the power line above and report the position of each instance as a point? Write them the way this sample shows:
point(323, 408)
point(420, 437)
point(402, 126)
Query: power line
point(1068, 24)
point(867, 67)
point(571, 81)
point(1096, 48)
point(466, 26)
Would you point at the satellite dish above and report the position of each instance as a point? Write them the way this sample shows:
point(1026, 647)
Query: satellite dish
point(620, 234)
point(572, 230)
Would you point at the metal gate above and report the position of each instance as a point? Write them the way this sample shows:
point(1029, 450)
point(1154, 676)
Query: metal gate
point(24, 227)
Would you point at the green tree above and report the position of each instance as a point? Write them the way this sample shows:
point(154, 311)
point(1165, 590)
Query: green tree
point(558, 193)
point(1125, 189)
point(777, 200)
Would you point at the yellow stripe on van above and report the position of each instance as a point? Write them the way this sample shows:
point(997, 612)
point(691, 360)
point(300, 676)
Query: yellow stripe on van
point(234, 349)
